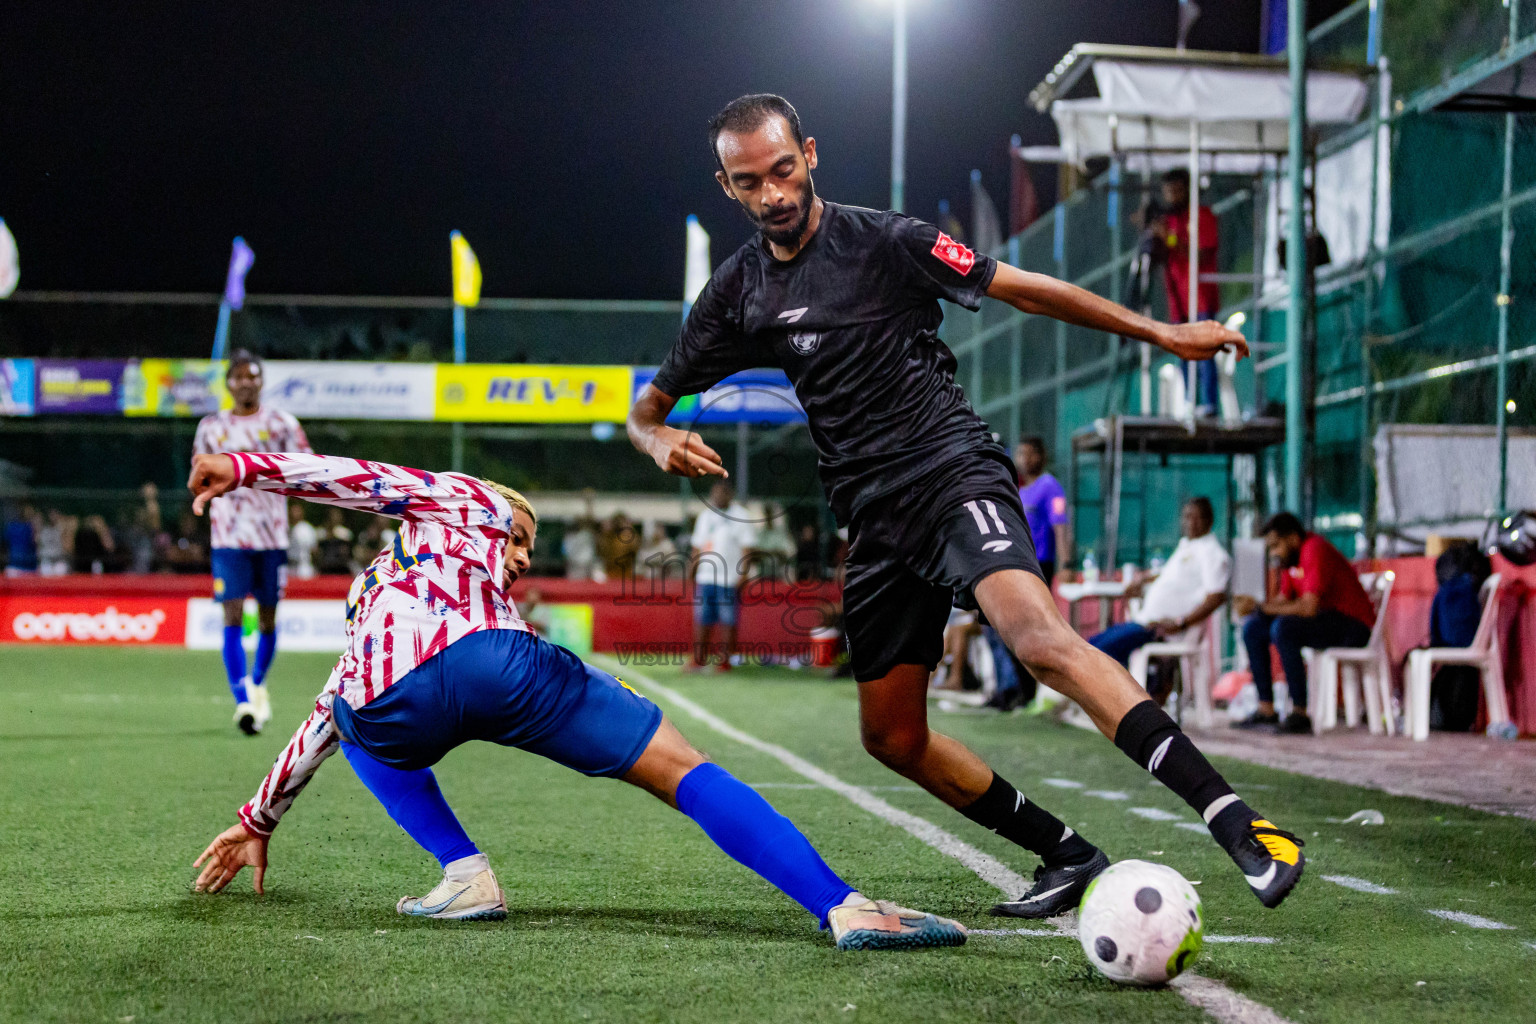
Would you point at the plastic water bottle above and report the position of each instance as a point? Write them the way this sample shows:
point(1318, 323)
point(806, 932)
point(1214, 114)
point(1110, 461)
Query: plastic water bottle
point(1090, 567)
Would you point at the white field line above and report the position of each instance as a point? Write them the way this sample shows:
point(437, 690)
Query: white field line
point(1472, 920)
point(812, 785)
point(1045, 933)
point(1154, 814)
point(1106, 794)
point(1218, 1001)
point(1063, 783)
point(1360, 885)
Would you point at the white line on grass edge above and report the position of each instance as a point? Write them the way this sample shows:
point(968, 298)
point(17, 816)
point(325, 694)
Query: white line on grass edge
point(1201, 992)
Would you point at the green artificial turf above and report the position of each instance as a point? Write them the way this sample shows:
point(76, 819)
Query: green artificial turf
point(117, 767)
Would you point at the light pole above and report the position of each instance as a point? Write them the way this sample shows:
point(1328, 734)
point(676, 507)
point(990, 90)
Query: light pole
point(899, 109)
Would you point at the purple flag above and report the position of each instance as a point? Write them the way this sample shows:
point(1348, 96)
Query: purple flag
point(240, 259)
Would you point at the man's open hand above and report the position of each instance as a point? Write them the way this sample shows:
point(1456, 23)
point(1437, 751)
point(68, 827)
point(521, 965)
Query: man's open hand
point(684, 453)
point(231, 850)
point(212, 475)
point(1202, 340)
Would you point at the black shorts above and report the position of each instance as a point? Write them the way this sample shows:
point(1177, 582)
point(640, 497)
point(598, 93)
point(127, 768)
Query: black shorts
point(913, 556)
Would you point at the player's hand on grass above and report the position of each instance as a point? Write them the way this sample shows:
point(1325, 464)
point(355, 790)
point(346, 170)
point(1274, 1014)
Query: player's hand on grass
point(231, 850)
point(684, 453)
point(212, 475)
point(1202, 340)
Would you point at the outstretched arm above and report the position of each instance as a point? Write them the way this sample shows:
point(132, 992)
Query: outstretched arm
point(244, 844)
point(679, 452)
point(450, 499)
point(1046, 296)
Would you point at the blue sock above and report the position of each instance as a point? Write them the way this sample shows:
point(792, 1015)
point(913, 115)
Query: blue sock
point(234, 663)
point(747, 827)
point(415, 803)
point(266, 647)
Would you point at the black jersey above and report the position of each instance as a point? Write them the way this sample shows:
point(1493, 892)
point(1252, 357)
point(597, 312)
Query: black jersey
point(853, 320)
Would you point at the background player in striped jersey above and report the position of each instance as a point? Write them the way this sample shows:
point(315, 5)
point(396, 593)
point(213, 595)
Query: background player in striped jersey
point(250, 533)
point(437, 655)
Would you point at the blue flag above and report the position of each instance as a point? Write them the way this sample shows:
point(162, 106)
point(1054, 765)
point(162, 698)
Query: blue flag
point(240, 259)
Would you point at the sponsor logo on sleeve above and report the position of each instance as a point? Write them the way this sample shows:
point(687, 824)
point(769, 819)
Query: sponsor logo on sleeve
point(955, 255)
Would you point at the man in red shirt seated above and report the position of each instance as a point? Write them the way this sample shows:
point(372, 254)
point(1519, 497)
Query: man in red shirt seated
point(1321, 604)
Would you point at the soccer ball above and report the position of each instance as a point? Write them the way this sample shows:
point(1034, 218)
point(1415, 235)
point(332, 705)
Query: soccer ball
point(1140, 923)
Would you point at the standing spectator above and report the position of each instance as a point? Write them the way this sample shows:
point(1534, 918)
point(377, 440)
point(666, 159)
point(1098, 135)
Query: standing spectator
point(95, 547)
point(580, 550)
point(334, 550)
point(775, 548)
point(187, 550)
point(617, 546)
point(302, 541)
point(1190, 587)
point(138, 536)
point(1173, 244)
point(656, 552)
point(1045, 507)
point(55, 543)
point(21, 542)
point(808, 555)
point(723, 538)
point(1321, 604)
point(376, 536)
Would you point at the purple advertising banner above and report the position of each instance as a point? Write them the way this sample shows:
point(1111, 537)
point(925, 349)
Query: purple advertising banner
point(80, 386)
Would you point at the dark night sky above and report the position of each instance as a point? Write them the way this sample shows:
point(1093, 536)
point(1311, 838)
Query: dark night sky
point(346, 139)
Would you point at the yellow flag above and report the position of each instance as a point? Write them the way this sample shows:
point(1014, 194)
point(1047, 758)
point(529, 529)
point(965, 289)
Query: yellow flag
point(466, 272)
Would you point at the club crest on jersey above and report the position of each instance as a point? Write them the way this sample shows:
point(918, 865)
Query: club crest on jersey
point(954, 254)
point(804, 342)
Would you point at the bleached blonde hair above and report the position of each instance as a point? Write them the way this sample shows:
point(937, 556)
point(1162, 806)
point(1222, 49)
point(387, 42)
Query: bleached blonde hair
point(514, 498)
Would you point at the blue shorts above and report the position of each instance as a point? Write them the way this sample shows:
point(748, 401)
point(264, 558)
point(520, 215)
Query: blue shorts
point(239, 571)
point(509, 687)
point(716, 603)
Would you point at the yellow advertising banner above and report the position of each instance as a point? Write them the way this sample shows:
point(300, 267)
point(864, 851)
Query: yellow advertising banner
point(174, 387)
point(533, 393)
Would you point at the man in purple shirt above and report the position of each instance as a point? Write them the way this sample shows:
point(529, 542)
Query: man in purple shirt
point(1045, 506)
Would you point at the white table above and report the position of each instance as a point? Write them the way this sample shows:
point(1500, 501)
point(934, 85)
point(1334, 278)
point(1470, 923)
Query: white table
point(1105, 591)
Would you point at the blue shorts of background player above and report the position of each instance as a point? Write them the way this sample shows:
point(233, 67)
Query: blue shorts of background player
point(262, 574)
point(716, 605)
point(238, 572)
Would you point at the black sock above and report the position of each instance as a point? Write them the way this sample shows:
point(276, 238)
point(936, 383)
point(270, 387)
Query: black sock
point(1004, 810)
point(1150, 738)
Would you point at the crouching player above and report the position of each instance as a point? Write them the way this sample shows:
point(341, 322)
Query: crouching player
point(437, 655)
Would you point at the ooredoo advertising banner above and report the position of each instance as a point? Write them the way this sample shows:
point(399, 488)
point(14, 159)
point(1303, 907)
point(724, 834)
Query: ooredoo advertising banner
point(92, 386)
point(124, 621)
point(351, 391)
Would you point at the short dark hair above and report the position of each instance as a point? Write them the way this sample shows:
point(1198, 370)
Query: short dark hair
point(747, 113)
point(1034, 441)
point(1283, 524)
point(1178, 175)
point(1203, 503)
point(243, 357)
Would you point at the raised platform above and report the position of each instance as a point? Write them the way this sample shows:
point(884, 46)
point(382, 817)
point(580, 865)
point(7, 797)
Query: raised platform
point(1156, 435)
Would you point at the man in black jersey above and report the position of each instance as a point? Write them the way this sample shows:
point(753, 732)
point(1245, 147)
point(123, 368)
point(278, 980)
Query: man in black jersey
point(846, 301)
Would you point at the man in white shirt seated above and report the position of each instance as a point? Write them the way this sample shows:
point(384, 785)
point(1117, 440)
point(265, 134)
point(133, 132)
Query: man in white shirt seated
point(1191, 586)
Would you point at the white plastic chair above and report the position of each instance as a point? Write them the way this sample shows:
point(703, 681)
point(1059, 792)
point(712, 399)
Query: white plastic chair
point(1197, 666)
point(1358, 669)
point(1484, 654)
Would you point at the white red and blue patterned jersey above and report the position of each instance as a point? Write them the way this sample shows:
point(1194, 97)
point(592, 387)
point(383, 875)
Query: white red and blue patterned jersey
point(248, 519)
point(438, 582)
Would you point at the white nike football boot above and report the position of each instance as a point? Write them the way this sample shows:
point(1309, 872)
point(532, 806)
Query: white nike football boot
point(261, 701)
point(245, 717)
point(476, 897)
point(862, 923)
